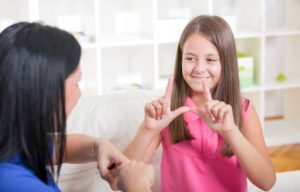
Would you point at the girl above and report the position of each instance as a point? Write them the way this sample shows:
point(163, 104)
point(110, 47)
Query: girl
point(218, 142)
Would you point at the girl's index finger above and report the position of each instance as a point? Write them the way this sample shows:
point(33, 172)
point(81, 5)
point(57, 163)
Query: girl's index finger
point(207, 93)
point(169, 88)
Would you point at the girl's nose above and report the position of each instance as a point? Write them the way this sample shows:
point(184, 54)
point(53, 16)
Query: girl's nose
point(200, 66)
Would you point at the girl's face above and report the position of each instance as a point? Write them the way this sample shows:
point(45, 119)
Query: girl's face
point(72, 91)
point(200, 62)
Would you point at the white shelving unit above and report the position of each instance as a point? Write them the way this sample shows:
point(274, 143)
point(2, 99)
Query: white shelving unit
point(281, 41)
point(131, 44)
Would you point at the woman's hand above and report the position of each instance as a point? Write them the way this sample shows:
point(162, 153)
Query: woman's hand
point(135, 177)
point(217, 114)
point(158, 114)
point(110, 159)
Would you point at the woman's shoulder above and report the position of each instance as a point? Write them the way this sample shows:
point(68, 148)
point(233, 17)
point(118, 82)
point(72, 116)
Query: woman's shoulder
point(15, 178)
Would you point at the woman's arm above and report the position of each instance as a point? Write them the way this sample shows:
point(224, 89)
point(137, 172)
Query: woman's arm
point(81, 148)
point(252, 152)
point(113, 165)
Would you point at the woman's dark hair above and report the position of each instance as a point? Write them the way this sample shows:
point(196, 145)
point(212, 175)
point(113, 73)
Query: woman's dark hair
point(35, 61)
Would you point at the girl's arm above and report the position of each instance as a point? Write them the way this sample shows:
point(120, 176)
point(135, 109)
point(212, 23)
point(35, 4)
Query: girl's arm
point(152, 148)
point(144, 145)
point(252, 152)
point(135, 177)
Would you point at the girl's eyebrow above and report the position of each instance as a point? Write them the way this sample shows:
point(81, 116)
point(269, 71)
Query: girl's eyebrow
point(195, 55)
point(212, 54)
point(189, 53)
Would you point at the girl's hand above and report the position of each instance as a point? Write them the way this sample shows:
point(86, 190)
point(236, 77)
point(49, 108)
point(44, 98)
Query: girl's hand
point(158, 114)
point(217, 114)
point(135, 177)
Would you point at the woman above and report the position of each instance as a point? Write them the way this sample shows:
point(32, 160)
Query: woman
point(39, 74)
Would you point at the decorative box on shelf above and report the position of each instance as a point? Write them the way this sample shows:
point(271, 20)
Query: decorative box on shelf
point(246, 71)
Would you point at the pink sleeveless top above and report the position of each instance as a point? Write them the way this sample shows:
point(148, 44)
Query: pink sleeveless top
point(196, 165)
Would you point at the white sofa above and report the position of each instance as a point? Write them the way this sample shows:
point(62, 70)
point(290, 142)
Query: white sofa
point(116, 117)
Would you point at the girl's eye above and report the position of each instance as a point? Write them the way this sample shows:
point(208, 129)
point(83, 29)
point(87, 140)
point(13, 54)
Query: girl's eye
point(211, 60)
point(190, 59)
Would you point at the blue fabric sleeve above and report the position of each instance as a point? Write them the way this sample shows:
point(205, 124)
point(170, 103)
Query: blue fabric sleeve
point(15, 178)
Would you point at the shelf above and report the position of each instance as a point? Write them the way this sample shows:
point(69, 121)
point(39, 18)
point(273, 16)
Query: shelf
point(126, 66)
point(282, 32)
point(241, 34)
point(279, 132)
point(282, 57)
point(125, 23)
point(14, 11)
point(182, 9)
point(290, 83)
point(250, 89)
point(75, 16)
point(282, 17)
point(121, 41)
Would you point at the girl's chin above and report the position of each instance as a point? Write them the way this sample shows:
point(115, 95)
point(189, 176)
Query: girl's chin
point(197, 90)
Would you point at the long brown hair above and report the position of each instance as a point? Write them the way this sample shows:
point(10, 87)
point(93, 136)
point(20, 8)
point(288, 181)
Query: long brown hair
point(218, 32)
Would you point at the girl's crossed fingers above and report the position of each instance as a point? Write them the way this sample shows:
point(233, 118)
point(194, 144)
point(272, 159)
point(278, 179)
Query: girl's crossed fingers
point(209, 106)
point(218, 110)
point(224, 110)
